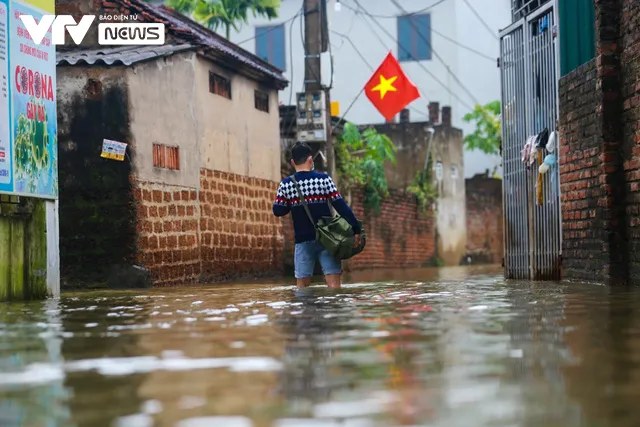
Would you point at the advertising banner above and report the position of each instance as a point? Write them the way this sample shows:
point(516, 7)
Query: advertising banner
point(29, 149)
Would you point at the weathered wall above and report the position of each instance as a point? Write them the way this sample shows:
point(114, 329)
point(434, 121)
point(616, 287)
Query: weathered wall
point(484, 220)
point(584, 255)
point(240, 236)
point(167, 229)
point(23, 269)
point(599, 112)
point(629, 56)
point(400, 237)
point(97, 209)
point(234, 136)
point(164, 110)
point(412, 141)
point(451, 222)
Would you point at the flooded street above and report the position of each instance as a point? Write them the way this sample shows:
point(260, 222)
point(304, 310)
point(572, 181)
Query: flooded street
point(454, 347)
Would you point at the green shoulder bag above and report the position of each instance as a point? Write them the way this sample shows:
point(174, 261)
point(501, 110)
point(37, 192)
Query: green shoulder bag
point(334, 233)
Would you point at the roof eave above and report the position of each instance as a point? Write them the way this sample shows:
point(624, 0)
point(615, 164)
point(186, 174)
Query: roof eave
point(239, 67)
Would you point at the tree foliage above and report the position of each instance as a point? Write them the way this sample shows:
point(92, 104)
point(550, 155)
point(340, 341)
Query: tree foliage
point(227, 14)
point(487, 136)
point(360, 160)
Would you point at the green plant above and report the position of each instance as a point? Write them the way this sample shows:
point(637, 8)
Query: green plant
point(214, 14)
point(360, 160)
point(487, 136)
point(422, 187)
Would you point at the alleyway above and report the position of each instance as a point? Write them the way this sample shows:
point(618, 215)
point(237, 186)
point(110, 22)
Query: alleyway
point(455, 347)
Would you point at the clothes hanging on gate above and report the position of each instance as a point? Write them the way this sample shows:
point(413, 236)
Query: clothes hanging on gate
point(539, 197)
point(529, 151)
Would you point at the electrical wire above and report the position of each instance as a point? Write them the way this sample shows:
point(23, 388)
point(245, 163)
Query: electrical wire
point(433, 30)
point(428, 42)
point(368, 64)
point(475, 12)
point(420, 64)
point(395, 16)
point(271, 29)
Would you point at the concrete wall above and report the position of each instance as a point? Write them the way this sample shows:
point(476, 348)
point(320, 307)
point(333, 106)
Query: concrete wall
point(97, 209)
point(453, 24)
point(234, 136)
point(412, 140)
point(451, 221)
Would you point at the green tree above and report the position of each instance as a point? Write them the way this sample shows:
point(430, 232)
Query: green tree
point(227, 14)
point(487, 136)
point(360, 158)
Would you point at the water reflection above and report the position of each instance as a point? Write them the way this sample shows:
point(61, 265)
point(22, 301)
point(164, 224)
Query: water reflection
point(450, 347)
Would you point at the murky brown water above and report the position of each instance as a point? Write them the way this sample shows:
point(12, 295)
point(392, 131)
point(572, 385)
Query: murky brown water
point(457, 347)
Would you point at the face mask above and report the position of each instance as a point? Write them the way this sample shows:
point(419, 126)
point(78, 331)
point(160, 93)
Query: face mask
point(313, 166)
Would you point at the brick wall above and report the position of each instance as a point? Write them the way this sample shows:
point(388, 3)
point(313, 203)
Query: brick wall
point(629, 51)
point(167, 230)
point(599, 125)
point(240, 234)
point(484, 219)
point(580, 169)
point(400, 237)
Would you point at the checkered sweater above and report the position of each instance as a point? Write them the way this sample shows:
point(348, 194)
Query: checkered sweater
point(318, 189)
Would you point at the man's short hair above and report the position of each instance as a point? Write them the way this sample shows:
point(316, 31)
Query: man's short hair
point(300, 152)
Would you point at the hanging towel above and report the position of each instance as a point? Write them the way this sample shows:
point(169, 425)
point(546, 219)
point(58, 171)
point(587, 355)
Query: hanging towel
point(539, 186)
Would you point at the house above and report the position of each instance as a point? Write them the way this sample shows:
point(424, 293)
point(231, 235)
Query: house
point(191, 199)
point(449, 49)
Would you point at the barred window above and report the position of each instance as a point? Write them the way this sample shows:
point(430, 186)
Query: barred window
point(166, 157)
point(219, 85)
point(261, 100)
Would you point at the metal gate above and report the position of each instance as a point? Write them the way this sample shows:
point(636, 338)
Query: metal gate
point(528, 68)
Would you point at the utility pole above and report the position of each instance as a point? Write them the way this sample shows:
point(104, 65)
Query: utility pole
point(316, 41)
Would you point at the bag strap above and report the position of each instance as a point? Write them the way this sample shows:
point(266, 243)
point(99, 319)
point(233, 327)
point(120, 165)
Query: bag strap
point(304, 202)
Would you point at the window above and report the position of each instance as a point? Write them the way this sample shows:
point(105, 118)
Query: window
point(219, 85)
point(261, 101)
point(270, 45)
point(414, 37)
point(166, 157)
point(578, 35)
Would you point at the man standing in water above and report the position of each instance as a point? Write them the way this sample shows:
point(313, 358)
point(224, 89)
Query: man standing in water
point(318, 190)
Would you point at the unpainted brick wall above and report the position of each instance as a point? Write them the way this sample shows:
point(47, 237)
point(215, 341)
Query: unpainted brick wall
point(401, 236)
point(484, 218)
point(167, 230)
point(240, 234)
point(580, 170)
point(629, 51)
point(600, 170)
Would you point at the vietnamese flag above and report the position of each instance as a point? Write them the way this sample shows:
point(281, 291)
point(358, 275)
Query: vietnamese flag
point(389, 89)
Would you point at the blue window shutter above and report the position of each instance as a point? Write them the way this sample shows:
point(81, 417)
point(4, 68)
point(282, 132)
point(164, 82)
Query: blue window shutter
point(278, 46)
point(262, 43)
point(404, 39)
point(422, 24)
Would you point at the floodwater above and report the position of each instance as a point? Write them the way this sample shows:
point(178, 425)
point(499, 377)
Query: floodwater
point(450, 347)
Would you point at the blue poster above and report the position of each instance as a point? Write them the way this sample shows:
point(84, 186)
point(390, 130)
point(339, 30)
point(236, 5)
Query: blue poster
point(32, 73)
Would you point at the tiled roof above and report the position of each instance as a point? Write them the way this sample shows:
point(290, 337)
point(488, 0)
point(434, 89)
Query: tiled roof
point(195, 34)
point(120, 55)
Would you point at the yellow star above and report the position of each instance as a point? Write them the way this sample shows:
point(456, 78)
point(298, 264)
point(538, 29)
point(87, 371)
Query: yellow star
point(386, 85)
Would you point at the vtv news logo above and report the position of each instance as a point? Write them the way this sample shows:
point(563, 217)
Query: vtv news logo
point(113, 33)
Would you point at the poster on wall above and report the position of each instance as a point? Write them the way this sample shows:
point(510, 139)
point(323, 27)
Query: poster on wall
point(6, 160)
point(32, 152)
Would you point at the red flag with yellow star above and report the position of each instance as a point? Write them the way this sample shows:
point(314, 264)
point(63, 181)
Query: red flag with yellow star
point(389, 89)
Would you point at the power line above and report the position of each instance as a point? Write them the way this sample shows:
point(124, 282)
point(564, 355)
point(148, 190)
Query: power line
point(346, 37)
point(428, 42)
point(273, 27)
point(417, 12)
point(481, 20)
point(433, 30)
point(420, 64)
